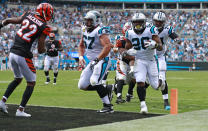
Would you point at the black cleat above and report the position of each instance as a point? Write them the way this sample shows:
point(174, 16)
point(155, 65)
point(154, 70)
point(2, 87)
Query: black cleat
point(47, 80)
point(120, 100)
point(129, 97)
point(107, 108)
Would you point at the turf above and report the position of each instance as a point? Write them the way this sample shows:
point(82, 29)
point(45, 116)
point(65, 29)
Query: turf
point(192, 88)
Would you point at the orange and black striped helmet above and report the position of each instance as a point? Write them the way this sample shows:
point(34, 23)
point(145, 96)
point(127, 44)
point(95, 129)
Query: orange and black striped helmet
point(45, 10)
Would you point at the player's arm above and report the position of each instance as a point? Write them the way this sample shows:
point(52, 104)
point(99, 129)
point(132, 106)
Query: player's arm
point(158, 45)
point(14, 20)
point(81, 48)
point(105, 42)
point(41, 43)
point(60, 48)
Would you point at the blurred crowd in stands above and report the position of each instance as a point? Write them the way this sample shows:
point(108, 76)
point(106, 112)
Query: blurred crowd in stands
point(192, 27)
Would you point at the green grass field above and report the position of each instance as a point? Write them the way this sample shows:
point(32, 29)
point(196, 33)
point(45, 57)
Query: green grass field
point(192, 89)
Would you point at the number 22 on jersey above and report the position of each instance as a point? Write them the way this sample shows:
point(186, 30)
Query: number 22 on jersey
point(25, 25)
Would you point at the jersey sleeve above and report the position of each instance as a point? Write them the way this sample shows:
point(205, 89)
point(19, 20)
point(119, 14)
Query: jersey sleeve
point(170, 30)
point(153, 30)
point(104, 30)
point(127, 36)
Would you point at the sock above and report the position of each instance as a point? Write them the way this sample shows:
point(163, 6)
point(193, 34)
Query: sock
point(105, 100)
point(47, 73)
point(165, 91)
point(26, 96)
point(91, 88)
point(55, 74)
point(146, 85)
point(120, 86)
point(141, 91)
point(101, 90)
point(11, 88)
point(131, 87)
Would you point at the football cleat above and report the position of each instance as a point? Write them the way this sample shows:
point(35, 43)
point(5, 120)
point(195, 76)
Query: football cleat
point(3, 107)
point(47, 80)
point(22, 114)
point(107, 108)
point(143, 108)
point(166, 105)
point(129, 97)
point(120, 100)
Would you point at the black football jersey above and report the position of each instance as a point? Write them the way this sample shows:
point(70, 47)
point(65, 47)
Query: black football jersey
point(31, 28)
point(52, 45)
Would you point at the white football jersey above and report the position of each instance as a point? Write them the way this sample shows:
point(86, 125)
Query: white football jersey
point(164, 37)
point(92, 43)
point(138, 40)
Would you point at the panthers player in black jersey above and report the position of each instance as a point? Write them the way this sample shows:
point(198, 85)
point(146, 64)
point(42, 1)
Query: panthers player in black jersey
point(33, 26)
point(52, 58)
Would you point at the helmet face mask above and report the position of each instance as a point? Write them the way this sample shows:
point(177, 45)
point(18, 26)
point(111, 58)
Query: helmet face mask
point(138, 22)
point(159, 20)
point(91, 21)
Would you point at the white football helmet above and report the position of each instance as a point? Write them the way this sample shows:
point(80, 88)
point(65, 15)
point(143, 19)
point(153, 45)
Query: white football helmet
point(138, 22)
point(159, 17)
point(95, 18)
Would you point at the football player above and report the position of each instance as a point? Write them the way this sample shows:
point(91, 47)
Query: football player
point(52, 57)
point(33, 26)
point(95, 44)
point(123, 67)
point(146, 41)
point(165, 32)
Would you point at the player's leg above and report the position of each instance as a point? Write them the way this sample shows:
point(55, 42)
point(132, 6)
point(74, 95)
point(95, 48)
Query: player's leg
point(121, 78)
point(55, 69)
point(129, 95)
point(152, 74)
point(47, 64)
point(105, 93)
point(162, 76)
point(140, 74)
point(11, 87)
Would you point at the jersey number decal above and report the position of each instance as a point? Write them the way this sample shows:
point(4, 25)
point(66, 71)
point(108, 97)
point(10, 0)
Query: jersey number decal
point(91, 39)
point(137, 43)
point(25, 25)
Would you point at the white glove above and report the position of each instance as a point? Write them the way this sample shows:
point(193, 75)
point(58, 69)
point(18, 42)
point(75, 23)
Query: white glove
point(150, 44)
point(81, 61)
point(131, 72)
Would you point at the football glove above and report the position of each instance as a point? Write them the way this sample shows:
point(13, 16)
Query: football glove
point(150, 44)
point(93, 63)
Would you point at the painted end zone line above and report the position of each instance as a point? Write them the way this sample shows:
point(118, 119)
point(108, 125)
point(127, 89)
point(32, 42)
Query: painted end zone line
point(189, 121)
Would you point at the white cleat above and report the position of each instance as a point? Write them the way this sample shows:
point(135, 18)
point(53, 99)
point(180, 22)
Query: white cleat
point(54, 83)
point(3, 107)
point(22, 114)
point(143, 108)
point(46, 83)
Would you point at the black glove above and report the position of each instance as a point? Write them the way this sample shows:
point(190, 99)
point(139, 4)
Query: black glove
point(93, 63)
